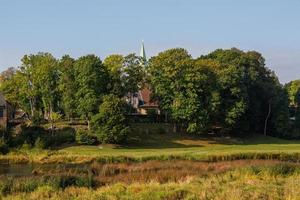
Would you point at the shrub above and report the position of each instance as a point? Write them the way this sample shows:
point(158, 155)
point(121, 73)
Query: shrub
point(110, 124)
point(39, 143)
point(152, 115)
point(29, 134)
point(39, 137)
point(3, 147)
point(6, 186)
point(59, 137)
point(282, 169)
point(64, 181)
point(84, 137)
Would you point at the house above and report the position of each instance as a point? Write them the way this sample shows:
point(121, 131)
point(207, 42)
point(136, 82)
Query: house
point(141, 101)
point(6, 112)
point(145, 102)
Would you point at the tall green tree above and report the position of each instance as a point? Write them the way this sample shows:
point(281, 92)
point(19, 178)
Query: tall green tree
point(67, 86)
point(252, 91)
point(110, 123)
point(92, 81)
point(133, 73)
point(114, 63)
point(184, 87)
point(165, 71)
point(293, 91)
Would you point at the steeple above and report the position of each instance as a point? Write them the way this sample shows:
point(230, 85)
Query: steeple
point(142, 52)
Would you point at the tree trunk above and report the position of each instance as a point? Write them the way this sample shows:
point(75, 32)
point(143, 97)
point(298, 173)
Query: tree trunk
point(31, 106)
point(267, 118)
point(51, 119)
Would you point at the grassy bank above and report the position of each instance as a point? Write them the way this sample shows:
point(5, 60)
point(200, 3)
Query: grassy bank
point(165, 147)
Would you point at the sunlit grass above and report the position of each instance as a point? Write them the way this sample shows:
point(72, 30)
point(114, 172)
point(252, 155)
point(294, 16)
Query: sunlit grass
point(165, 147)
point(265, 182)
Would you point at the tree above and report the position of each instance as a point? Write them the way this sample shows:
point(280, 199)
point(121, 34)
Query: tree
point(293, 90)
point(67, 86)
point(195, 102)
point(42, 73)
point(165, 75)
point(110, 124)
point(114, 64)
point(247, 90)
point(132, 74)
point(92, 81)
point(185, 88)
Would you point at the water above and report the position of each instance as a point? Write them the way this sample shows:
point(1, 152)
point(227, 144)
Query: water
point(29, 169)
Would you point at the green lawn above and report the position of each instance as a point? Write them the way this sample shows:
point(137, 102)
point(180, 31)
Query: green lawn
point(195, 146)
point(155, 144)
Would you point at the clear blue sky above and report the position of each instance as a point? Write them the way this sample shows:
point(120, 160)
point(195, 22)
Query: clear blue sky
point(103, 27)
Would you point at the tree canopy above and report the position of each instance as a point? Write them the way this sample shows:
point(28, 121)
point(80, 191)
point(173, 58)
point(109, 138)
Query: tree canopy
point(230, 89)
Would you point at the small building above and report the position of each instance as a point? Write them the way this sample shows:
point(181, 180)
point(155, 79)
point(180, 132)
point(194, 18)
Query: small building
point(146, 103)
point(141, 101)
point(6, 112)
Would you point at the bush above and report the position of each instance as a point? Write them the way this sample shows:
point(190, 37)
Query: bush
point(110, 124)
point(282, 169)
point(64, 181)
point(152, 115)
point(6, 186)
point(84, 137)
point(39, 143)
point(3, 147)
point(59, 137)
point(35, 136)
point(29, 134)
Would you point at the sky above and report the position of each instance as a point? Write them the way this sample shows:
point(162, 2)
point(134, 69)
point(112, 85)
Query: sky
point(104, 27)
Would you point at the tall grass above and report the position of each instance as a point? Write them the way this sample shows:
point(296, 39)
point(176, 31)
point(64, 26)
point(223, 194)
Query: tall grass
point(279, 181)
point(48, 157)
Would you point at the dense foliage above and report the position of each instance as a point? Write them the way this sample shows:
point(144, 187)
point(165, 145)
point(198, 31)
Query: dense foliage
point(228, 90)
point(110, 124)
point(293, 89)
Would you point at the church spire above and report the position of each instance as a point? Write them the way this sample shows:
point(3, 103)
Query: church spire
point(142, 52)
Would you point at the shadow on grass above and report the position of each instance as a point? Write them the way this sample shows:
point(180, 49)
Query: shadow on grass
point(175, 140)
point(172, 140)
point(261, 139)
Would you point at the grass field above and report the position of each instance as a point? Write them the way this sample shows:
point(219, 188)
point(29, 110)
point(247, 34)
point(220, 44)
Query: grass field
point(158, 165)
point(165, 146)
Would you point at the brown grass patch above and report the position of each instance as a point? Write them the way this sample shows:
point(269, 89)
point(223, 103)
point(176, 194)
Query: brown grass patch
point(165, 171)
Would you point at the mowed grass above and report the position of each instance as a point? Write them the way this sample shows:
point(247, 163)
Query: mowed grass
point(157, 142)
point(196, 147)
point(151, 142)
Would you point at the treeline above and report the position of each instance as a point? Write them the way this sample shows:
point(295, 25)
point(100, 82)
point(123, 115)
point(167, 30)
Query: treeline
point(230, 90)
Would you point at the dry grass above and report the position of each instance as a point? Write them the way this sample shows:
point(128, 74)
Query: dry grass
point(236, 184)
point(166, 171)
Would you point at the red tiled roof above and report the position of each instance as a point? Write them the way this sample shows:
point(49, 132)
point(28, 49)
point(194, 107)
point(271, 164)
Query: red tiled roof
point(145, 95)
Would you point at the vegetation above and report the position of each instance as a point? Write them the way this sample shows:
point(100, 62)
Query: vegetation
point(224, 113)
point(110, 123)
point(256, 181)
point(153, 145)
point(229, 89)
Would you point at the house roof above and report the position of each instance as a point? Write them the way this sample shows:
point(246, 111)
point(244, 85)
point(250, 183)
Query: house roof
point(145, 96)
